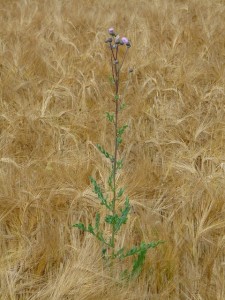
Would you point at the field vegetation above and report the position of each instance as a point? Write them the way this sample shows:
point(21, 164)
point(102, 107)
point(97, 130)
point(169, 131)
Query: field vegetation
point(54, 92)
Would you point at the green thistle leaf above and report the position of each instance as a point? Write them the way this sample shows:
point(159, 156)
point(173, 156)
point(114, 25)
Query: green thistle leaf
point(97, 221)
point(119, 164)
point(80, 226)
point(98, 192)
point(120, 193)
point(119, 140)
point(116, 97)
point(121, 130)
point(110, 117)
point(105, 153)
point(122, 106)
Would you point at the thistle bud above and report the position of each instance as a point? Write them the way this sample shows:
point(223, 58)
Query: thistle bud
point(124, 40)
point(111, 31)
point(109, 40)
point(128, 44)
point(115, 62)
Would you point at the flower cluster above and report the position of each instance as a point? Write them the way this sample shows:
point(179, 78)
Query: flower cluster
point(117, 40)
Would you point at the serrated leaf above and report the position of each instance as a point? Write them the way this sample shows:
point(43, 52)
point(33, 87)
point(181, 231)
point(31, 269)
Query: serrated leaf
point(110, 117)
point(121, 130)
point(91, 229)
point(116, 97)
point(132, 251)
point(119, 253)
point(119, 164)
point(138, 263)
point(110, 219)
point(80, 226)
point(98, 192)
point(119, 140)
point(110, 181)
point(120, 193)
point(105, 153)
point(122, 219)
point(122, 106)
point(97, 221)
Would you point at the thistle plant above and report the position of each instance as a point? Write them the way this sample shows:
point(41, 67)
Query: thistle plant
point(115, 218)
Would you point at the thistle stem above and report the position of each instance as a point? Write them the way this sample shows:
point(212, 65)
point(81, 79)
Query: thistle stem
point(115, 149)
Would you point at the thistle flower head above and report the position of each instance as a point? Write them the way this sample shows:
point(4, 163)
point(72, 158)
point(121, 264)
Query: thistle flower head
point(109, 40)
point(124, 40)
point(111, 31)
point(128, 44)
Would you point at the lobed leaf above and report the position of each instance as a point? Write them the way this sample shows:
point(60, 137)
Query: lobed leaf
point(122, 106)
point(80, 226)
point(110, 181)
point(105, 153)
point(119, 164)
point(121, 130)
point(98, 192)
point(97, 221)
point(116, 97)
point(110, 117)
point(139, 262)
point(120, 193)
point(119, 140)
point(116, 220)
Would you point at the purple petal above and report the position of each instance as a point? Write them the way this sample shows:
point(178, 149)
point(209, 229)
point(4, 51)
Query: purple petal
point(111, 30)
point(125, 40)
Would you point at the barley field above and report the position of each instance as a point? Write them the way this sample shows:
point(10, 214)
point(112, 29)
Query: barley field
point(54, 92)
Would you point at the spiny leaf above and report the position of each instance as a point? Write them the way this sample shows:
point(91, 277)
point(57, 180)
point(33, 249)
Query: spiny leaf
point(110, 219)
point(122, 106)
point(97, 221)
point(121, 130)
point(98, 192)
point(105, 153)
point(119, 252)
point(119, 164)
point(116, 97)
point(91, 229)
point(124, 213)
point(119, 140)
point(110, 117)
point(120, 193)
point(143, 247)
point(110, 181)
point(116, 220)
point(138, 263)
point(80, 226)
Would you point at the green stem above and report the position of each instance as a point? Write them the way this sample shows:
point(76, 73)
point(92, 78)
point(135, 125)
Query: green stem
point(115, 149)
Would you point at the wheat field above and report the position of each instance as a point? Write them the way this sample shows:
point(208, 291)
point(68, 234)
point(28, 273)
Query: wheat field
point(54, 70)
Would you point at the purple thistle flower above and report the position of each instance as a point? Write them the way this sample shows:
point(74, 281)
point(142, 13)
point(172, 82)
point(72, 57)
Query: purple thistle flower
point(111, 31)
point(125, 40)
